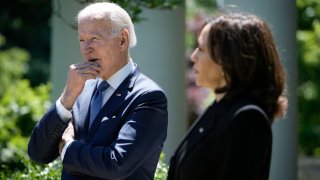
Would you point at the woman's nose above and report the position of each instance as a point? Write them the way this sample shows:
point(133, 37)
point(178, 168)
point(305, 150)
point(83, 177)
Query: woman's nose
point(193, 56)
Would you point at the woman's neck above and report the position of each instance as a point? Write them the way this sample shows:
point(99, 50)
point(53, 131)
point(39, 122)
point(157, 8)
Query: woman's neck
point(219, 96)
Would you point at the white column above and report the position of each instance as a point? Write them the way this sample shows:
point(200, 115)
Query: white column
point(64, 43)
point(159, 54)
point(281, 17)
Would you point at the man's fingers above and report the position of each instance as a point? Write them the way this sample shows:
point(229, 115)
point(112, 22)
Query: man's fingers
point(85, 65)
point(69, 131)
point(85, 72)
point(85, 69)
point(70, 125)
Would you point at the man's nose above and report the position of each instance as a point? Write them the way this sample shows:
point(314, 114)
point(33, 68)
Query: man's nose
point(87, 47)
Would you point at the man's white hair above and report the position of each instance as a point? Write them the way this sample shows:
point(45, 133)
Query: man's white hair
point(113, 13)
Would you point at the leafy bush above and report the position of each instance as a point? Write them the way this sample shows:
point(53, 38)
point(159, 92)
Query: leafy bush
point(20, 107)
point(162, 169)
point(308, 38)
point(52, 171)
point(13, 65)
point(31, 170)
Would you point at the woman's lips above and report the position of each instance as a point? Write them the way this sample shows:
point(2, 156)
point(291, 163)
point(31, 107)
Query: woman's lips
point(195, 71)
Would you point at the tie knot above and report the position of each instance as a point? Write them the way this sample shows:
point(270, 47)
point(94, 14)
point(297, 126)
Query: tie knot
point(103, 86)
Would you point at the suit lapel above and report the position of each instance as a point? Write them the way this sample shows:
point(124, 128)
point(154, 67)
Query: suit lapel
point(206, 124)
point(192, 136)
point(116, 100)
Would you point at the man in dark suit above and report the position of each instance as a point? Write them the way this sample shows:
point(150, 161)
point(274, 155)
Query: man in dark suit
point(111, 120)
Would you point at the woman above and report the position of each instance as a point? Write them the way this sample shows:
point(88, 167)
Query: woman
point(237, 59)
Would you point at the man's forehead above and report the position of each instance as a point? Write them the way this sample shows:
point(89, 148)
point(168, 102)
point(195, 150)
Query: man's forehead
point(94, 21)
point(93, 25)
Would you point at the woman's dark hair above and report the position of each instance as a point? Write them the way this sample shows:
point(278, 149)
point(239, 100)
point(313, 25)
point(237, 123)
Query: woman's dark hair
point(244, 46)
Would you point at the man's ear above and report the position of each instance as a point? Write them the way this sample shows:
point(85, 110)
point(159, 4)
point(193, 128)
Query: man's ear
point(124, 39)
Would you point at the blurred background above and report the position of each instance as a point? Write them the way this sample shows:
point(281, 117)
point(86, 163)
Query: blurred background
point(38, 42)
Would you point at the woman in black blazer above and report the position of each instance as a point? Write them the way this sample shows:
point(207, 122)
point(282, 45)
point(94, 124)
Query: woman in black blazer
point(237, 59)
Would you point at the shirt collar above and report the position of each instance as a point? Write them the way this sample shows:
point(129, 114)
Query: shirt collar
point(116, 79)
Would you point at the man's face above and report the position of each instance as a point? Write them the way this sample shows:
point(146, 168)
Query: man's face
point(97, 44)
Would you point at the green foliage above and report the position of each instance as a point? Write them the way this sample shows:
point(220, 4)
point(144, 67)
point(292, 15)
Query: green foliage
point(162, 169)
point(26, 24)
point(12, 65)
point(308, 37)
point(52, 171)
point(135, 8)
point(20, 106)
point(31, 170)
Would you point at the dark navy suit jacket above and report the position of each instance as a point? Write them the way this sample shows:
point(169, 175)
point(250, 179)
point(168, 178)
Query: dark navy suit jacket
point(231, 141)
point(124, 141)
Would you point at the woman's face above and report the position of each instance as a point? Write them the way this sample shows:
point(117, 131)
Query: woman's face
point(208, 73)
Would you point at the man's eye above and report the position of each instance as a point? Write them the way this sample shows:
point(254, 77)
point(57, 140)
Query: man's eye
point(94, 38)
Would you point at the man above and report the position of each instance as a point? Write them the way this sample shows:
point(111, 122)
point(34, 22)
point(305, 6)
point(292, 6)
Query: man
point(111, 120)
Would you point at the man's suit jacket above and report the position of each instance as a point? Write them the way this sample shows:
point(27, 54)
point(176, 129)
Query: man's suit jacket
point(124, 141)
point(230, 141)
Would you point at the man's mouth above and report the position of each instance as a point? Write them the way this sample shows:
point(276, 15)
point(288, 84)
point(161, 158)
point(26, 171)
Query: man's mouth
point(93, 60)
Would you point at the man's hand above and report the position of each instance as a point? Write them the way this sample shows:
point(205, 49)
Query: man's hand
point(77, 76)
point(67, 136)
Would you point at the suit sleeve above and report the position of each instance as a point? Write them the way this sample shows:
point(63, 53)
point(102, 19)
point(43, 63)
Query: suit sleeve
point(248, 147)
point(43, 145)
point(142, 134)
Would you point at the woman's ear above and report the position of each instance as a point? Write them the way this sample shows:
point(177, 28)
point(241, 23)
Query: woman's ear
point(124, 39)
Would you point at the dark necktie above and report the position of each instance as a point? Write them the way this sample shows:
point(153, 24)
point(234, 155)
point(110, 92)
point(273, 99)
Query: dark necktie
point(96, 101)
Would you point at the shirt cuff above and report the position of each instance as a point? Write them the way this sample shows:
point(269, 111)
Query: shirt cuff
point(64, 149)
point(63, 113)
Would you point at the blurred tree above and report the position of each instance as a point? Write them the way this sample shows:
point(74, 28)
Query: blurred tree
point(13, 65)
point(25, 24)
point(21, 106)
point(308, 37)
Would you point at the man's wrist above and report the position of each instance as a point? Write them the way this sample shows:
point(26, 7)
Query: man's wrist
point(63, 113)
point(64, 148)
point(67, 99)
